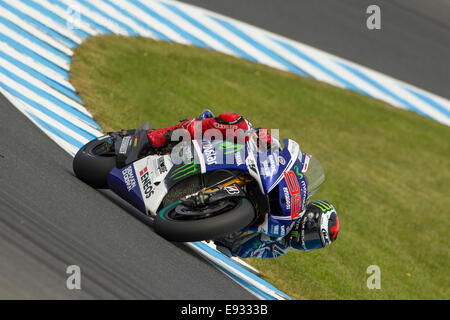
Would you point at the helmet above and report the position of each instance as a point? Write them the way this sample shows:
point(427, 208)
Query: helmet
point(205, 114)
point(317, 228)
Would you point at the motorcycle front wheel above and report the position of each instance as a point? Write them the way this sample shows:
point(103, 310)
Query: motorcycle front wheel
point(180, 223)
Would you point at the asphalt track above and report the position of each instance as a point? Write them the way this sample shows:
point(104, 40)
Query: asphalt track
point(413, 44)
point(50, 220)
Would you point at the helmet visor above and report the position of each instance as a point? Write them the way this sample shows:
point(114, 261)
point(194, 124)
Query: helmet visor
point(310, 232)
point(315, 176)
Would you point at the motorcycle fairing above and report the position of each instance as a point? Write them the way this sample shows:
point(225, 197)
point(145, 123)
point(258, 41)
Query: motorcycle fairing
point(291, 191)
point(217, 155)
point(146, 182)
point(119, 181)
point(278, 168)
point(149, 187)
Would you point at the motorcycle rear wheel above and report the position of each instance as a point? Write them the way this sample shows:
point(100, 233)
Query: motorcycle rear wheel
point(176, 222)
point(93, 163)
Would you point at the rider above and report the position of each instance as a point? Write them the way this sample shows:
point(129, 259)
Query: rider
point(316, 228)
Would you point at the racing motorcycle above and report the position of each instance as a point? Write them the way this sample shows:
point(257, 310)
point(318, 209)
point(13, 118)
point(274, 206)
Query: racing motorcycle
point(204, 189)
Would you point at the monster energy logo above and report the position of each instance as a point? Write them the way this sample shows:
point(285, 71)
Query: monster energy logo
point(256, 244)
point(299, 174)
point(322, 205)
point(184, 170)
point(231, 147)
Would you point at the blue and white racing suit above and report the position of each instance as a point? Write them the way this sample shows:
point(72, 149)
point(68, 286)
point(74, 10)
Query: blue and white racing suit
point(253, 245)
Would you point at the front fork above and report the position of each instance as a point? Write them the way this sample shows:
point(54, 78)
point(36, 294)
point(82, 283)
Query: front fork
point(236, 186)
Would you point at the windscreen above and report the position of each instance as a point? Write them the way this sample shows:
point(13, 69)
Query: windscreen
point(314, 175)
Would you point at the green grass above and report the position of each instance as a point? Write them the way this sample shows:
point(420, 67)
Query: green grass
point(387, 169)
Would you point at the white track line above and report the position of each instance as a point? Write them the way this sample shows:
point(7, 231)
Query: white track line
point(324, 60)
point(150, 21)
point(60, 62)
point(235, 259)
point(42, 18)
point(69, 148)
point(21, 106)
point(30, 62)
point(31, 29)
point(112, 12)
point(236, 272)
point(94, 16)
point(242, 44)
point(188, 27)
point(393, 86)
point(38, 83)
point(47, 104)
point(301, 63)
point(54, 123)
point(440, 100)
point(64, 14)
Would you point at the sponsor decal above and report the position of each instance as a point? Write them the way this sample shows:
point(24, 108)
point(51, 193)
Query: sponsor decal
point(161, 166)
point(184, 170)
point(265, 168)
point(324, 228)
point(269, 166)
point(232, 190)
point(275, 229)
point(306, 163)
point(128, 177)
point(146, 183)
point(322, 205)
point(297, 172)
point(304, 193)
point(302, 232)
point(124, 145)
point(210, 153)
point(230, 147)
point(251, 165)
point(256, 244)
point(273, 165)
point(238, 158)
point(272, 161)
point(224, 126)
point(287, 198)
point(325, 239)
point(281, 160)
point(294, 190)
point(283, 231)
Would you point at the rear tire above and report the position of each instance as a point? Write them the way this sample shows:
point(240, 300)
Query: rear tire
point(207, 228)
point(92, 166)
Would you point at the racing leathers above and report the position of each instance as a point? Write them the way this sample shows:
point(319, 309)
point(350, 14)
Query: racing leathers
point(226, 126)
point(253, 245)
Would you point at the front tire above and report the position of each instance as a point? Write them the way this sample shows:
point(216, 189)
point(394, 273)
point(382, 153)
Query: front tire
point(175, 228)
point(93, 163)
